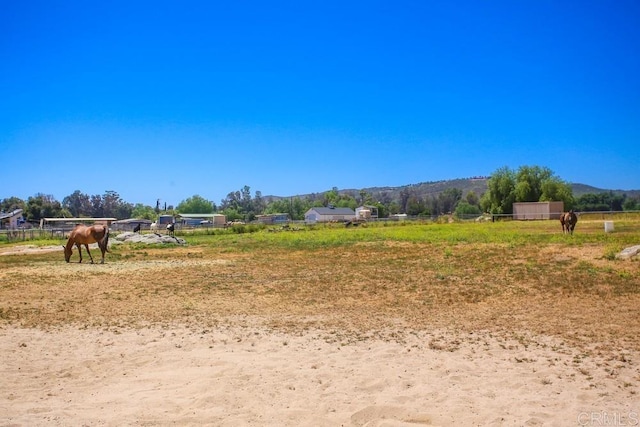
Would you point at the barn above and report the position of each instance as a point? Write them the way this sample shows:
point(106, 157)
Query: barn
point(328, 214)
point(537, 210)
point(164, 220)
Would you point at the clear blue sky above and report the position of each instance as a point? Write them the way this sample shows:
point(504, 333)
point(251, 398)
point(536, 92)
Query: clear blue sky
point(169, 99)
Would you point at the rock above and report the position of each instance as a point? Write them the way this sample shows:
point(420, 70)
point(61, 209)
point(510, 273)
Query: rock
point(629, 252)
point(149, 238)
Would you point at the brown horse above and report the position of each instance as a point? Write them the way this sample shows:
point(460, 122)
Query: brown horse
point(84, 235)
point(568, 221)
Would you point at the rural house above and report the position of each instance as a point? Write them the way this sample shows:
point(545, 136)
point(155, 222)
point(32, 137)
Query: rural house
point(329, 214)
point(367, 212)
point(11, 219)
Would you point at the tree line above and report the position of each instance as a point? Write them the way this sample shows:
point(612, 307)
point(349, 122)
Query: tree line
point(504, 187)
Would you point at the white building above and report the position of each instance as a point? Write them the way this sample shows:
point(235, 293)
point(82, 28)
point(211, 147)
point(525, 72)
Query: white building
point(329, 214)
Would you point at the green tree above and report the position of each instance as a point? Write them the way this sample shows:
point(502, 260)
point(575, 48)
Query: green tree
point(447, 200)
point(365, 198)
point(556, 190)
point(259, 204)
point(111, 205)
point(97, 206)
point(500, 194)
point(393, 208)
point(472, 199)
point(294, 206)
point(44, 206)
point(382, 210)
point(78, 203)
point(528, 184)
point(405, 195)
point(241, 203)
point(232, 201)
point(417, 206)
point(465, 210)
point(529, 180)
point(278, 206)
point(631, 204)
point(539, 184)
point(141, 211)
point(195, 204)
point(232, 214)
point(331, 197)
point(594, 202)
point(10, 204)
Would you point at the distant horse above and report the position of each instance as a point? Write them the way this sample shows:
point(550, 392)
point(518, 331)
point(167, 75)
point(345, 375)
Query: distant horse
point(136, 229)
point(171, 229)
point(568, 221)
point(154, 226)
point(84, 235)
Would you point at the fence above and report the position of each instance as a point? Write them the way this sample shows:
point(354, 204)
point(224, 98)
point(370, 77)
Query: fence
point(33, 234)
point(62, 233)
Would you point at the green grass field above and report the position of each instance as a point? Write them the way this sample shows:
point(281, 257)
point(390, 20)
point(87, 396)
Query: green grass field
point(504, 276)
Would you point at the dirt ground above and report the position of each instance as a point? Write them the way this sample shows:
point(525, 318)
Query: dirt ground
point(383, 333)
point(570, 292)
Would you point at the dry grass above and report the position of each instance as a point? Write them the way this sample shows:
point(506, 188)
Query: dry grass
point(511, 278)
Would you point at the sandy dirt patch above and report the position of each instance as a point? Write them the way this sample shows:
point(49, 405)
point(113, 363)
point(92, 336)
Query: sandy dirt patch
point(250, 375)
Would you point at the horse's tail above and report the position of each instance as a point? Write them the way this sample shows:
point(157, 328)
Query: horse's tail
point(104, 242)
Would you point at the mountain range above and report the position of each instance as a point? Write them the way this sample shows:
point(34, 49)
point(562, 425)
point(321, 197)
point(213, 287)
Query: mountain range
point(476, 184)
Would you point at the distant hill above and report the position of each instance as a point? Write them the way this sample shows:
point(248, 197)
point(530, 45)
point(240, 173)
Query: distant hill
point(580, 189)
point(428, 189)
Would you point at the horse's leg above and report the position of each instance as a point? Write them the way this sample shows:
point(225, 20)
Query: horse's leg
point(102, 249)
point(87, 246)
point(79, 251)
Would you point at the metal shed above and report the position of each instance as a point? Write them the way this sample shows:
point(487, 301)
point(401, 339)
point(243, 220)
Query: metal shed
point(215, 220)
point(537, 210)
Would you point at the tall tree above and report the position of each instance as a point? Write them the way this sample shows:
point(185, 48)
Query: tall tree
point(528, 184)
point(405, 194)
point(232, 201)
point(110, 204)
point(10, 204)
point(448, 199)
point(195, 204)
point(97, 206)
point(141, 211)
point(44, 206)
point(500, 194)
point(593, 202)
point(472, 198)
point(78, 203)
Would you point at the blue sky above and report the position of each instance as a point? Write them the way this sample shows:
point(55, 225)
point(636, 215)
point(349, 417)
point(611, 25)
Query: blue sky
point(166, 100)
